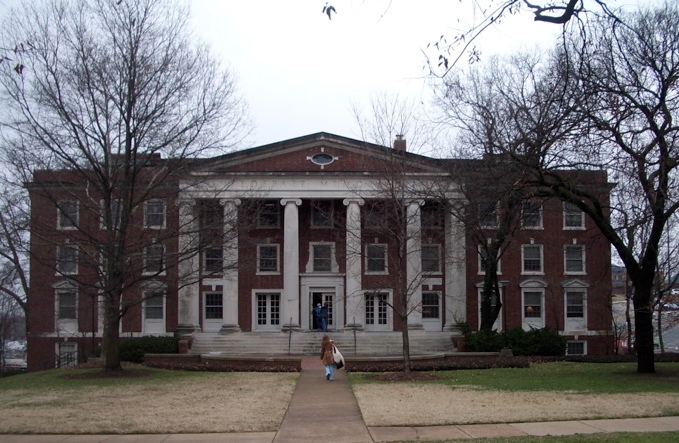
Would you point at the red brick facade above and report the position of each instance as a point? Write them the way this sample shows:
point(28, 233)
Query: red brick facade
point(316, 168)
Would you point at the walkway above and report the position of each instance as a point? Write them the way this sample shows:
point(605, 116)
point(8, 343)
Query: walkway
point(327, 411)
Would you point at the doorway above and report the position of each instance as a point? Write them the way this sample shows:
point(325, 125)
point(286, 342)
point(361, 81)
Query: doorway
point(325, 299)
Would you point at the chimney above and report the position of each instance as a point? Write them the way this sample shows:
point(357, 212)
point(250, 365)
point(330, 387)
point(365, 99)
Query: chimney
point(400, 143)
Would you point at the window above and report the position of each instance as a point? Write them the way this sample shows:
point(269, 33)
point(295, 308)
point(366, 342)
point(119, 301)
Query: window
point(487, 214)
point(431, 258)
point(214, 305)
point(154, 306)
point(268, 309)
point(531, 215)
point(375, 215)
point(212, 261)
point(376, 309)
point(322, 257)
point(67, 307)
point(67, 214)
point(153, 259)
point(67, 259)
point(574, 259)
point(575, 348)
point(267, 259)
point(532, 259)
point(430, 305)
point(483, 261)
point(268, 214)
point(532, 304)
point(110, 216)
point(431, 216)
point(211, 215)
point(321, 214)
point(575, 304)
point(376, 258)
point(573, 217)
point(154, 214)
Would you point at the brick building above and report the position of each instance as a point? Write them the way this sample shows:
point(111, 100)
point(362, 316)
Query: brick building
point(273, 231)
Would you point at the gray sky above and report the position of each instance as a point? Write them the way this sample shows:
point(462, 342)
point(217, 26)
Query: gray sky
point(300, 71)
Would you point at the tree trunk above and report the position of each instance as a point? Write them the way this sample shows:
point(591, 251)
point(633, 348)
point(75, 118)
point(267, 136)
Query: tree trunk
point(643, 330)
point(110, 340)
point(406, 341)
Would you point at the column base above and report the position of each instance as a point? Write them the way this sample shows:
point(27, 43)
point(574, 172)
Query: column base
point(454, 328)
point(184, 329)
point(229, 329)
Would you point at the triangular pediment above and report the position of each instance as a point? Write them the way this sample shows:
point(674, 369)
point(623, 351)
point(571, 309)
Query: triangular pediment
point(318, 153)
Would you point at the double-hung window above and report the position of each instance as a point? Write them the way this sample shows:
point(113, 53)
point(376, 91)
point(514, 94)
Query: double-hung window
point(487, 214)
point(110, 215)
point(267, 259)
point(321, 214)
point(154, 259)
point(574, 259)
point(67, 304)
point(376, 258)
point(431, 305)
point(431, 259)
point(67, 259)
point(268, 214)
point(575, 304)
point(531, 259)
point(532, 304)
point(322, 257)
point(531, 215)
point(213, 260)
point(573, 217)
point(154, 306)
point(154, 214)
point(67, 214)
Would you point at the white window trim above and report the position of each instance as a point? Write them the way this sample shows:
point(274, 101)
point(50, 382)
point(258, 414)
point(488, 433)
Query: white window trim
point(163, 261)
point(479, 267)
point(540, 226)
point(331, 214)
point(390, 318)
point(205, 306)
point(580, 323)
point(542, 260)
point(439, 297)
point(584, 346)
point(205, 267)
point(164, 224)
point(497, 217)
point(573, 228)
point(102, 221)
point(479, 293)
point(334, 267)
point(278, 259)
point(386, 259)
point(57, 261)
point(542, 304)
point(438, 258)
point(77, 216)
point(66, 325)
point(583, 256)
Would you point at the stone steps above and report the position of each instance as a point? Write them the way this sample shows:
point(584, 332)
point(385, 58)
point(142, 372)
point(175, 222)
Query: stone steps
point(308, 343)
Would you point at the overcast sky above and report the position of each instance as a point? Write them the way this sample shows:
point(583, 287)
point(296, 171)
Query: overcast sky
point(300, 71)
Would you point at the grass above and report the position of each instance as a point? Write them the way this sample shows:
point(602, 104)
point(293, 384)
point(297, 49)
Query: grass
point(618, 437)
point(586, 378)
point(161, 401)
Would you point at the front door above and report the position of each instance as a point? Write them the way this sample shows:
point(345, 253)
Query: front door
point(377, 311)
point(268, 311)
point(325, 299)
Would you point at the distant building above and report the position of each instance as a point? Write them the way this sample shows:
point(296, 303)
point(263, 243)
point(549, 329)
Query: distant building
point(310, 230)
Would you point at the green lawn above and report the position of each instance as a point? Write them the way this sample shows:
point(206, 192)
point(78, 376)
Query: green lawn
point(594, 378)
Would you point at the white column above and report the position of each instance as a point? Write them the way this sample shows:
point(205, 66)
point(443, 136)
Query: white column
point(230, 266)
point(355, 307)
point(456, 267)
point(290, 298)
point(414, 263)
point(188, 278)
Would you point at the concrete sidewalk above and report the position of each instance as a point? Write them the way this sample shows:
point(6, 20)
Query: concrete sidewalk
point(321, 410)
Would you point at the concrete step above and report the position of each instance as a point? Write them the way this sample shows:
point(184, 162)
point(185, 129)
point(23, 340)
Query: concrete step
point(308, 343)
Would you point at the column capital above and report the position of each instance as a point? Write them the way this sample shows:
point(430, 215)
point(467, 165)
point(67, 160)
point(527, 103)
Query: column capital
point(226, 201)
point(414, 201)
point(348, 201)
point(180, 202)
point(296, 201)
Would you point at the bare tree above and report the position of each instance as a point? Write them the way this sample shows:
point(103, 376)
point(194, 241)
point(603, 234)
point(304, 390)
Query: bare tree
point(606, 103)
point(106, 90)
